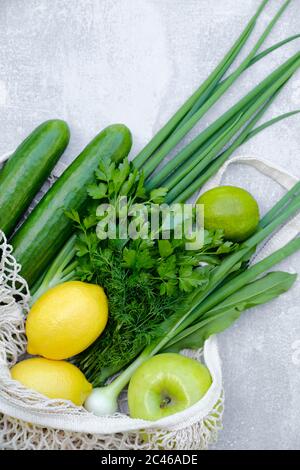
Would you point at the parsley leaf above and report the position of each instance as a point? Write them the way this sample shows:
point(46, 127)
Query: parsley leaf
point(190, 278)
point(97, 191)
point(167, 268)
point(165, 248)
point(157, 196)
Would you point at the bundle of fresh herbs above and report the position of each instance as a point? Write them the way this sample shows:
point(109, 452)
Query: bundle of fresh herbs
point(144, 277)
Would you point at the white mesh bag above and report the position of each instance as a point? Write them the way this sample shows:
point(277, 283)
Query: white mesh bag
point(29, 420)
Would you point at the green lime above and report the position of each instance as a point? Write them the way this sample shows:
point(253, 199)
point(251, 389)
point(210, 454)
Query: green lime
point(231, 209)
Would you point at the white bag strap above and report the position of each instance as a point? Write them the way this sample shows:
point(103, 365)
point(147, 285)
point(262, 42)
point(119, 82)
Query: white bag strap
point(290, 230)
point(274, 172)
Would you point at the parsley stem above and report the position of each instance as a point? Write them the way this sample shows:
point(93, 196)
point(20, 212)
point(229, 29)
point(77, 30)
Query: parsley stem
point(57, 271)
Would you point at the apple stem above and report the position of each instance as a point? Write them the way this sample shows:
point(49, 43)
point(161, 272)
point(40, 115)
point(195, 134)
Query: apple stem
point(165, 402)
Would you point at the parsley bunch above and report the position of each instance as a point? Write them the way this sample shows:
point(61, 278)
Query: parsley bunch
point(144, 279)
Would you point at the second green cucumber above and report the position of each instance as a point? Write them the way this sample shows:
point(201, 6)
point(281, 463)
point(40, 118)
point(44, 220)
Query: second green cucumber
point(48, 228)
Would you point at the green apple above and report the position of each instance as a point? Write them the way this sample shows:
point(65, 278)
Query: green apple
point(166, 384)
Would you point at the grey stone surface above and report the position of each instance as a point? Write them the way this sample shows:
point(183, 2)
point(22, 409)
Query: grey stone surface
point(94, 62)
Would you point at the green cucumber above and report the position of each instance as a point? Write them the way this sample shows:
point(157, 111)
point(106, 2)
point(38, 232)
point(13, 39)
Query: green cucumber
point(47, 228)
point(27, 169)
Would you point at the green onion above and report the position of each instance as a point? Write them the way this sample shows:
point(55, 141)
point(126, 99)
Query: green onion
point(257, 292)
point(211, 81)
point(218, 163)
point(268, 51)
point(257, 58)
point(200, 161)
point(270, 123)
point(200, 179)
point(167, 146)
point(239, 282)
point(281, 206)
point(273, 48)
point(286, 69)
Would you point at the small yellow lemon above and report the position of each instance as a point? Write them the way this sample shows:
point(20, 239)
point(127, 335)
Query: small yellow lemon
point(66, 320)
point(54, 379)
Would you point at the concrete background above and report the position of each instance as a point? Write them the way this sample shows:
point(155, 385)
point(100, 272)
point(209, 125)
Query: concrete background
point(94, 62)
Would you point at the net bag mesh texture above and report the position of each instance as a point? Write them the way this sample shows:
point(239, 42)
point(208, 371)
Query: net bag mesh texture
point(29, 420)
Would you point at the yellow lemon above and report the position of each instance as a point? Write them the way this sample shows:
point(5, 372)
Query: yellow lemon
point(66, 320)
point(54, 379)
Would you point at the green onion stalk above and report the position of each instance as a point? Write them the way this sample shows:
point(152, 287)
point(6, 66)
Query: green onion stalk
point(160, 146)
point(193, 151)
